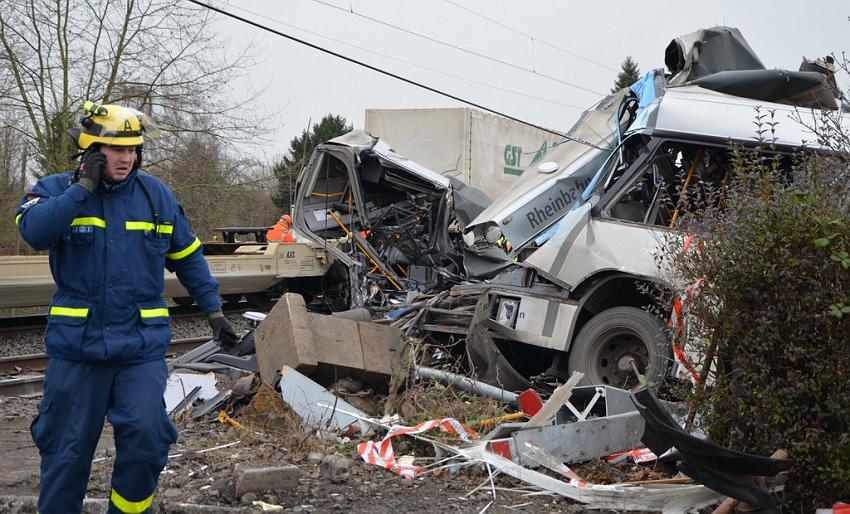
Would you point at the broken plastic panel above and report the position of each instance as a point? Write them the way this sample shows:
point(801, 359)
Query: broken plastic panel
point(182, 385)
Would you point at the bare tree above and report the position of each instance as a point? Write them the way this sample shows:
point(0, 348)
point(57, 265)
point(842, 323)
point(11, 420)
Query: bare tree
point(13, 160)
point(156, 55)
point(217, 190)
point(159, 56)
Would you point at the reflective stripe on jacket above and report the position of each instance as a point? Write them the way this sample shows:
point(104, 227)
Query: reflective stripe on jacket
point(107, 255)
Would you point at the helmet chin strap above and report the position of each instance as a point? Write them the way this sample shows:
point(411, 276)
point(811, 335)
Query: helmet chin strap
point(138, 163)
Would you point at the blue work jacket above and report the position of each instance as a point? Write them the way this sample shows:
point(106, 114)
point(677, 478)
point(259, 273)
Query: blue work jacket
point(108, 250)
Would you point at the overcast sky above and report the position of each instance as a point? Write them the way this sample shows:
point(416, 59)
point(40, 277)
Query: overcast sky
point(577, 49)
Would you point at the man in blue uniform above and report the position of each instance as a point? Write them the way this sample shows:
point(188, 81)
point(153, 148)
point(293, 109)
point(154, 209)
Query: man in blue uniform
point(110, 231)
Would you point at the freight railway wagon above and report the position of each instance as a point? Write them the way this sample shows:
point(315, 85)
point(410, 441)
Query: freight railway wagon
point(260, 271)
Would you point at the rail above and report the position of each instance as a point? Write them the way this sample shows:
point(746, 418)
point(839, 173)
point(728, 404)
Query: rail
point(31, 384)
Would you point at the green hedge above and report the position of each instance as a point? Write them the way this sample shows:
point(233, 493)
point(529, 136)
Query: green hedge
point(774, 300)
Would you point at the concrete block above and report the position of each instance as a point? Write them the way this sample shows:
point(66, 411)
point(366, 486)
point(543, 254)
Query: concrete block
point(285, 337)
point(336, 341)
point(324, 346)
point(254, 477)
point(335, 468)
point(382, 348)
point(28, 504)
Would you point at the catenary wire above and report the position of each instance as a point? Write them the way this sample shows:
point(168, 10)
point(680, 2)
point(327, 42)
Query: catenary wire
point(459, 48)
point(384, 72)
point(409, 63)
point(529, 36)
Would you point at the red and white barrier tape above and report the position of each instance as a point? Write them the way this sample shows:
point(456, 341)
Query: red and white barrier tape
point(684, 362)
point(381, 453)
point(642, 455)
point(638, 456)
point(681, 308)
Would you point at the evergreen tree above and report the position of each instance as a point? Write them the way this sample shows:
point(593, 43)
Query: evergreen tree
point(300, 148)
point(629, 74)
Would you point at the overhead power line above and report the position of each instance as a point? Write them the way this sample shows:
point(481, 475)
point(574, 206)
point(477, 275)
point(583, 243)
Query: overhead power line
point(409, 63)
point(457, 47)
point(532, 38)
point(382, 71)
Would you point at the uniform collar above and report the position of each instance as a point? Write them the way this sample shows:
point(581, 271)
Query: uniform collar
point(112, 187)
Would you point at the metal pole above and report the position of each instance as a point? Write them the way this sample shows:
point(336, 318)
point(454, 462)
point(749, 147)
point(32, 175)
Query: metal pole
point(467, 384)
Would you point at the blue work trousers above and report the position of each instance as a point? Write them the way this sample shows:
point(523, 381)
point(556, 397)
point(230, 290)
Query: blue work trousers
point(77, 397)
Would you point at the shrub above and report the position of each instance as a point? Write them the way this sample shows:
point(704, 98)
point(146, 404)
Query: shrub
point(773, 311)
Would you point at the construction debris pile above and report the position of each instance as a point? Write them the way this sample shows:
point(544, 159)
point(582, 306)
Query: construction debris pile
point(297, 355)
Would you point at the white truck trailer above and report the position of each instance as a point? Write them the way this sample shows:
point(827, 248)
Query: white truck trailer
point(482, 150)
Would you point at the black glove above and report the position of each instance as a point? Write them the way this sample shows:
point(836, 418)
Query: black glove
point(91, 166)
point(222, 330)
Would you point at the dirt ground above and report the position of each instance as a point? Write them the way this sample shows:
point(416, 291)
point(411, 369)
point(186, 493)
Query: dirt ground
point(207, 478)
point(201, 468)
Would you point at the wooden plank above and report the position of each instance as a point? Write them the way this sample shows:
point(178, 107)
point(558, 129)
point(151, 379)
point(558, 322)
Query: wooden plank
point(451, 312)
point(445, 329)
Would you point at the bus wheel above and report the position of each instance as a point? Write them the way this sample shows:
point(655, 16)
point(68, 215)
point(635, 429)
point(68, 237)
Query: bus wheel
point(616, 338)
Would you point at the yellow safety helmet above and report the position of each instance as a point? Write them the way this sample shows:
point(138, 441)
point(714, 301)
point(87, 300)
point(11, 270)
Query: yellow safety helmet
point(112, 125)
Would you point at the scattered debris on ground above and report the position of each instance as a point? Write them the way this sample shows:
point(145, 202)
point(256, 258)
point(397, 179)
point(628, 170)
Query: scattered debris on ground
point(584, 445)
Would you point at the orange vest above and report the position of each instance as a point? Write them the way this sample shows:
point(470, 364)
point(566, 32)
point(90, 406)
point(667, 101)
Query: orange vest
point(280, 232)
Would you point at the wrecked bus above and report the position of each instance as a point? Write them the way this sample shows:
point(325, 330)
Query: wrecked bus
point(584, 227)
point(557, 274)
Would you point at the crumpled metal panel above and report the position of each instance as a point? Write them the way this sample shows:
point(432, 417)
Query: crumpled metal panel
point(486, 361)
point(727, 471)
point(698, 113)
point(388, 155)
point(359, 140)
point(708, 51)
point(621, 497)
point(582, 440)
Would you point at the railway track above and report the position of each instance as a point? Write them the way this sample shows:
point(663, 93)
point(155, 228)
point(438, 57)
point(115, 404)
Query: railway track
point(32, 367)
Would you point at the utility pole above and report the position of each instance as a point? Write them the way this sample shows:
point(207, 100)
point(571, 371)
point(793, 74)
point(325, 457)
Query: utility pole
point(302, 164)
